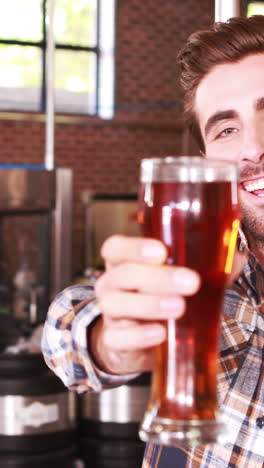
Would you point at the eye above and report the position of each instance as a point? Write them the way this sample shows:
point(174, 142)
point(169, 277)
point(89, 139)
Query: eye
point(226, 132)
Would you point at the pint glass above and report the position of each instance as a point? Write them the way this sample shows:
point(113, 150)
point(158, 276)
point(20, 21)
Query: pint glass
point(190, 204)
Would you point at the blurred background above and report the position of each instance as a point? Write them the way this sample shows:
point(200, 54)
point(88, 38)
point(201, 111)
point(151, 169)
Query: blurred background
point(117, 97)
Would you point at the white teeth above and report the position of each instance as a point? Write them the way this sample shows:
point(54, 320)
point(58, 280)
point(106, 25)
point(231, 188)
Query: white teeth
point(256, 185)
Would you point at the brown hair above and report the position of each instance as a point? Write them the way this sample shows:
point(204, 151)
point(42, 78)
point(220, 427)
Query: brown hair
point(222, 42)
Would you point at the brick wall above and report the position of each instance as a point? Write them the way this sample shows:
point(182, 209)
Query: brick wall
point(104, 155)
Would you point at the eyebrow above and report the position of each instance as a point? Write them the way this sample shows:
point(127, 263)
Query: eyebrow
point(221, 115)
point(229, 114)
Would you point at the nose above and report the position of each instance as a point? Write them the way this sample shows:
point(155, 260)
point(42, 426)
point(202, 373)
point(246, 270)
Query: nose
point(253, 143)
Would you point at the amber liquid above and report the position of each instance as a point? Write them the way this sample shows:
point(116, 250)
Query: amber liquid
point(198, 223)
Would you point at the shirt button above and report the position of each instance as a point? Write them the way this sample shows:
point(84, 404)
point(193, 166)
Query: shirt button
point(260, 422)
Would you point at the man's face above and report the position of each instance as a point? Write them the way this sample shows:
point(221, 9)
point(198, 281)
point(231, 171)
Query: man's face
point(229, 105)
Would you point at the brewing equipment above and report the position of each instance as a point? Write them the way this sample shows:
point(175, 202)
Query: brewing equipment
point(105, 215)
point(38, 201)
point(38, 415)
point(109, 423)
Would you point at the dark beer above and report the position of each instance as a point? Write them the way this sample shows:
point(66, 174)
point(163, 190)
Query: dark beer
point(198, 224)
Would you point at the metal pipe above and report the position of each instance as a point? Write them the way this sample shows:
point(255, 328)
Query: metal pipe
point(49, 152)
point(62, 261)
point(225, 9)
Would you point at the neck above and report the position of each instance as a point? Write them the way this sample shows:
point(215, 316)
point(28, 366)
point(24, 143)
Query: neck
point(256, 245)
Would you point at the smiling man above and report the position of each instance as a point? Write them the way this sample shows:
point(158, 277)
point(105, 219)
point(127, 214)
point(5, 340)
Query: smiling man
point(229, 105)
point(95, 340)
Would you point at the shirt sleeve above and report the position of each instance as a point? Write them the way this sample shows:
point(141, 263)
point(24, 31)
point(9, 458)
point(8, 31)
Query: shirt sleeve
point(64, 341)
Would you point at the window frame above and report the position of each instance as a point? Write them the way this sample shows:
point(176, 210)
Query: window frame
point(252, 1)
point(42, 46)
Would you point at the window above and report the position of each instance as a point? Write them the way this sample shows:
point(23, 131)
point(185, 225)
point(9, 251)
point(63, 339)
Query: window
point(255, 8)
point(83, 59)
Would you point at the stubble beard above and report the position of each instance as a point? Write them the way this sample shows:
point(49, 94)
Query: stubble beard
point(253, 224)
point(252, 221)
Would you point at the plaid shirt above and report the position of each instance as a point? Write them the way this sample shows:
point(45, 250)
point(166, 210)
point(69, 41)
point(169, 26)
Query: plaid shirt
point(240, 378)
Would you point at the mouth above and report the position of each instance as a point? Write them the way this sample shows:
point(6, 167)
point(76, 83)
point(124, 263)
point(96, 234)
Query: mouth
point(254, 186)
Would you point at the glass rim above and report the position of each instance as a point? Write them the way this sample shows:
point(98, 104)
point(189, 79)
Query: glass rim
point(188, 160)
point(187, 169)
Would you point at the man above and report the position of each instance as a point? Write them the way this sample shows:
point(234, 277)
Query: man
point(95, 343)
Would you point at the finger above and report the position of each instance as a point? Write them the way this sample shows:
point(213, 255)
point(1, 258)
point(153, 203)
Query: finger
point(117, 249)
point(119, 304)
point(150, 279)
point(134, 337)
point(121, 361)
point(140, 360)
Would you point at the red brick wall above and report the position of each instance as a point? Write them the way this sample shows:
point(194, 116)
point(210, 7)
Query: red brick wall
point(104, 155)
